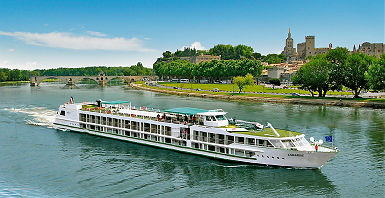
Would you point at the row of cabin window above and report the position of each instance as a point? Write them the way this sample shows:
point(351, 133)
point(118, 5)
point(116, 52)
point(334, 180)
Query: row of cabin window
point(228, 139)
point(219, 149)
point(135, 134)
point(170, 141)
point(139, 126)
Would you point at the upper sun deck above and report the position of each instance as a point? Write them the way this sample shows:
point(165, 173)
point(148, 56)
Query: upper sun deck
point(268, 132)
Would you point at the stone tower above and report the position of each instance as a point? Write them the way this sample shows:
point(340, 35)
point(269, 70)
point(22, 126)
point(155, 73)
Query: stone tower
point(288, 50)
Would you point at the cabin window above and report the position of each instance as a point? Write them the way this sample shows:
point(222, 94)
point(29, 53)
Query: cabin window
point(221, 150)
point(167, 140)
point(153, 128)
point(211, 148)
point(104, 120)
point(116, 123)
point(167, 131)
point(239, 152)
point(82, 126)
point(196, 145)
point(251, 141)
point(210, 118)
point(220, 117)
point(135, 125)
point(212, 137)
point(221, 139)
point(268, 144)
point(127, 133)
point(62, 113)
point(196, 135)
point(82, 117)
point(110, 121)
point(127, 124)
point(203, 136)
point(146, 127)
point(153, 138)
point(230, 139)
point(240, 140)
point(261, 143)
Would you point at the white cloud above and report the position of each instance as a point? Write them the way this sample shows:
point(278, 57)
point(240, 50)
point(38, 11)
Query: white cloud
point(96, 34)
point(69, 41)
point(11, 50)
point(197, 45)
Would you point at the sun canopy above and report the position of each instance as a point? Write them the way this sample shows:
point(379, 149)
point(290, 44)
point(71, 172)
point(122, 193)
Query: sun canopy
point(186, 110)
point(115, 102)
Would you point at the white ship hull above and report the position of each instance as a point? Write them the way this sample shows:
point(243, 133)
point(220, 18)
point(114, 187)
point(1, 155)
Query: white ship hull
point(261, 155)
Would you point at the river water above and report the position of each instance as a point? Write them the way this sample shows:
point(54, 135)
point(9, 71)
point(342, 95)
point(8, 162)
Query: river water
point(38, 161)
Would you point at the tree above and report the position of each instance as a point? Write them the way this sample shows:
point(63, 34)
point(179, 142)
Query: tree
point(274, 58)
point(356, 66)
point(314, 76)
point(241, 81)
point(257, 56)
point(275, 82)
point(337, 58)
point(167, 54)
point(376, 74)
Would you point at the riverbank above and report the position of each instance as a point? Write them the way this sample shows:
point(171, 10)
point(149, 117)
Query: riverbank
point(13, 82)
point(371, 103)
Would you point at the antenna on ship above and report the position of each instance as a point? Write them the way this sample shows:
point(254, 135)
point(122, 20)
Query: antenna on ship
point(272, 128)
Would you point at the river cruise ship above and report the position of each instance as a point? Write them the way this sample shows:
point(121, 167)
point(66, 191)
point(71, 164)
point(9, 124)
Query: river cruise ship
point(196, 131)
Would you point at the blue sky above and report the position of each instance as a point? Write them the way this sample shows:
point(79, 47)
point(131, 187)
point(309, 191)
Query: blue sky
point(50, 34)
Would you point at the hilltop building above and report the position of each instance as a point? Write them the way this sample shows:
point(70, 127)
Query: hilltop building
point(307, 48)
point(371, 49)
point(288, 50)
point(304, 49)
point(200, 58)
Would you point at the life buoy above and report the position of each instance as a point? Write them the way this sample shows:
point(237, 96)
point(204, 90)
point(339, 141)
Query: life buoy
point(108, 112)
point(132, 115)
point(144, 108)
point(185, 122)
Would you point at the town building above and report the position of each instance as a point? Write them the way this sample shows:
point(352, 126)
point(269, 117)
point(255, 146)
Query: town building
point(371, 49)
point(288, 50)
point(307, 48)
point(304, 49)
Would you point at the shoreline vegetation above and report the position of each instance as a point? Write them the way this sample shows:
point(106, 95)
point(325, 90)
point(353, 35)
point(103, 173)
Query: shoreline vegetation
point(342, 102)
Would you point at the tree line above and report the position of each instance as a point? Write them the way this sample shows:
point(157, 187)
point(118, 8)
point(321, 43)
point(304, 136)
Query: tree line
point(210, 70)
point(24, 75)
point(339, 68)
point(227, 52)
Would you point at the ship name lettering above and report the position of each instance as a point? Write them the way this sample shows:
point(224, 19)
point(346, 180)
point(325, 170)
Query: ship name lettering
point(296, 155)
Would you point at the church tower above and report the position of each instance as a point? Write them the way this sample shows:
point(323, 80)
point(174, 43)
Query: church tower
point(289, 51)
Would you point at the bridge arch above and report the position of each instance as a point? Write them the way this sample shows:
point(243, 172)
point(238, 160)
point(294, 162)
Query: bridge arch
point(40, 79)
point(110, 78)
point(80, 78)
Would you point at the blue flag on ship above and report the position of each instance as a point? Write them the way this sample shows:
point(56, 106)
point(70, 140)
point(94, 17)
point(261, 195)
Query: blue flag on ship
point(329, 138)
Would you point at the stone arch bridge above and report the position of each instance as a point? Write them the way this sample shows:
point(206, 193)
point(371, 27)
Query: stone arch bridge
point(101, 79)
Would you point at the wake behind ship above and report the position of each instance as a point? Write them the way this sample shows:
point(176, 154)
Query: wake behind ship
point(197, 131)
